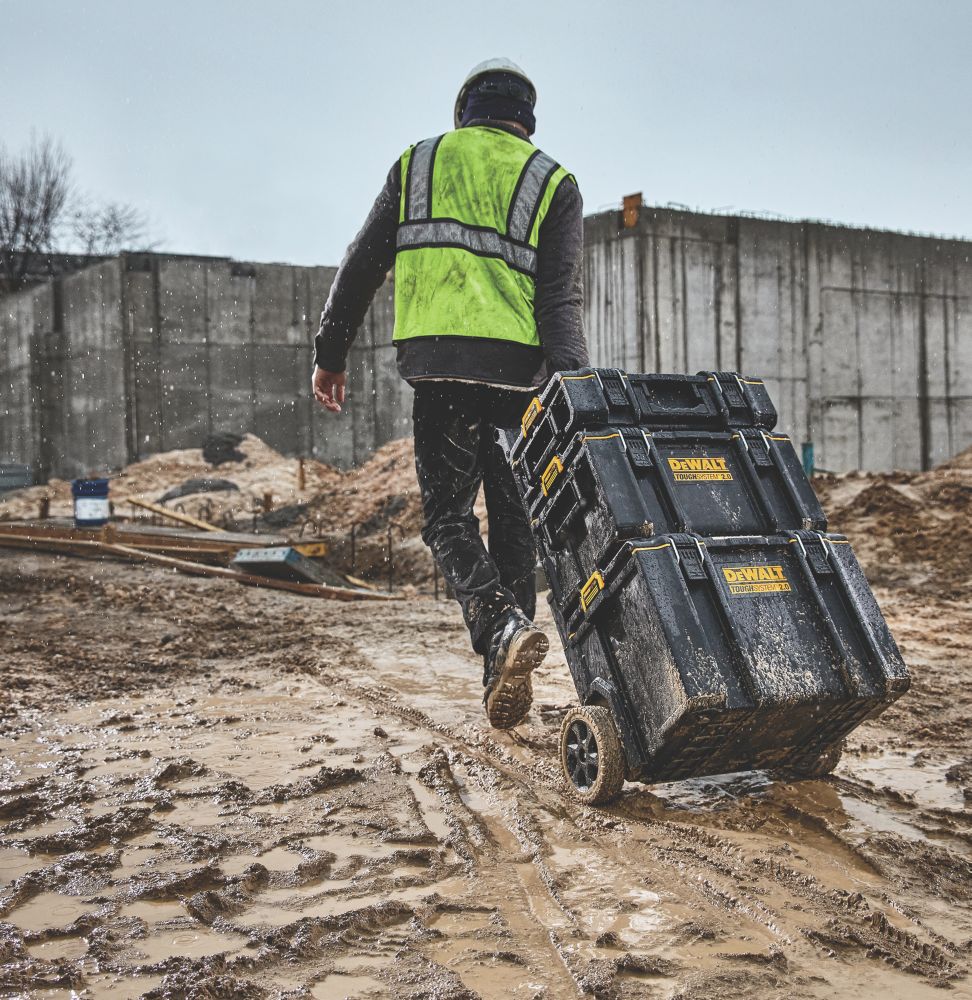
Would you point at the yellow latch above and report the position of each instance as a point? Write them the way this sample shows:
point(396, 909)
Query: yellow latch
point(532, 412)
point(550, 474)
point(591, 589)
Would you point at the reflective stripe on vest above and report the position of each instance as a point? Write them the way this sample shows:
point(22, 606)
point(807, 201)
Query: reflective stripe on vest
point(482, 241)
point(418, 196)
point(526, 201)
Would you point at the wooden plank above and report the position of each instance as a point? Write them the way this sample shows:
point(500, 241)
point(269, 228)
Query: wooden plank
point(137, 535)
point(94, 547)
point(66, 546)
point(252, 579)
point(173, 514)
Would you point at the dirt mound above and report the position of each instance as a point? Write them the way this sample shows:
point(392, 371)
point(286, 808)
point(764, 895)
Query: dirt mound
point(375, 500)
point(262, 471)
point(911, 529)
point(962, 461)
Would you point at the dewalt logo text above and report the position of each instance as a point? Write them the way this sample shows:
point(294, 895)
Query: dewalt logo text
point(696, 470)
point(755, 579)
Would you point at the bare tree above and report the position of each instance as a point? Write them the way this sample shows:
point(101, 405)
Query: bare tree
point(42, 213)
point(35, 187)
point(108, 229)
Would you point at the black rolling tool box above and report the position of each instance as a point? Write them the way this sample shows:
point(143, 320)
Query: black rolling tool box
point(622, 483)
point(607, 397)
point(728, 654)
point(709, 623)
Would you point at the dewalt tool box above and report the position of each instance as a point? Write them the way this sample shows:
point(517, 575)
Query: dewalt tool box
point(607, 397)
point(727, 654)
point(623, 483)
point(709, 622)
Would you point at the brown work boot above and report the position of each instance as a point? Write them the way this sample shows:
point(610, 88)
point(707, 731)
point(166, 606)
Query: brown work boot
point(517, 649)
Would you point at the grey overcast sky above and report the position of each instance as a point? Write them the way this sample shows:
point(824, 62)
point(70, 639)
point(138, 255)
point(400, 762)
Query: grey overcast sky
point(263, 131)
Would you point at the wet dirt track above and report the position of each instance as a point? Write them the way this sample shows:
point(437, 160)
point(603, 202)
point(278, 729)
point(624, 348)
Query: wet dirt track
point(218, 792)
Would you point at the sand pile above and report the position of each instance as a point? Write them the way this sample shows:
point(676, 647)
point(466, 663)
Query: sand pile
point(379, 495)
point(910, 529)
point(381, 489)
point(262, 471)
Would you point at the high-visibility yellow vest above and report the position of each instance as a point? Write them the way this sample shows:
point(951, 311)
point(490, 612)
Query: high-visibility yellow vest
point(473, 201)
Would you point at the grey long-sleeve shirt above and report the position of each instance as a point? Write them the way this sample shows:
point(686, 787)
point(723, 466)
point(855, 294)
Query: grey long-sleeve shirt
point(558, 302)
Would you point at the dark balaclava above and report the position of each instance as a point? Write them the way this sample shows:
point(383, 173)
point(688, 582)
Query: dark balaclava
point(500, 97)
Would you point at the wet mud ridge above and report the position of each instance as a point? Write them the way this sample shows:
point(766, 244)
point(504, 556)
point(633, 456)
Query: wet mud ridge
point(216, 794)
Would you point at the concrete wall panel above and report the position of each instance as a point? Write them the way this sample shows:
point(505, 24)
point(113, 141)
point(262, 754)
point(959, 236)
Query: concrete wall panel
point(863, 337)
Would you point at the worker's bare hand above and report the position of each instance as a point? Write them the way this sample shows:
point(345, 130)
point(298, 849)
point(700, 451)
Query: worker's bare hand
point(329, 388)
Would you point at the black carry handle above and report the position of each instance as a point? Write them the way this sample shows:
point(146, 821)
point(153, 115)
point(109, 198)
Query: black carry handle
point(686, 402)
point(565, 506)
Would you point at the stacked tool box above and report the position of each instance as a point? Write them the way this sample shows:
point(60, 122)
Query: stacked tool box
point(710, 622)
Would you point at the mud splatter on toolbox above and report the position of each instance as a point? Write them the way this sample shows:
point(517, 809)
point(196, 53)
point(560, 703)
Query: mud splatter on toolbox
point(698, 596)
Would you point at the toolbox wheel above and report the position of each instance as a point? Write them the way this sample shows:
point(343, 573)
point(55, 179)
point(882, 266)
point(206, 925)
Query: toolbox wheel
point(820, 767)
point(591, 756)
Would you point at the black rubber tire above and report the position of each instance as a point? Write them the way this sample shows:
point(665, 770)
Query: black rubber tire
point(591, 756)
point(818, 768)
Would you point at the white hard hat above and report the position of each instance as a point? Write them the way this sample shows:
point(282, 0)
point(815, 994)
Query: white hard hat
point(498, 65)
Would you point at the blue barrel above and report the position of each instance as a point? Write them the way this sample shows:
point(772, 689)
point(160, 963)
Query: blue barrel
point(91, 508)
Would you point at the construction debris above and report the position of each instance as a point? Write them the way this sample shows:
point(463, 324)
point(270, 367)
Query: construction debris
point(97, 547)
point(308, 499)
point(171, 514)
point(282, 563)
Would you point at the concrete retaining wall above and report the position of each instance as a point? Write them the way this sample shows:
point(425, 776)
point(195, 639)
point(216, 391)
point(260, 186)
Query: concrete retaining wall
point(865, 340)
point(149, 352)
point(864, 337)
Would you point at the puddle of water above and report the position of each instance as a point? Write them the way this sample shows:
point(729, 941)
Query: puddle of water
point(879, 819)
point(196, 812)
point(459, 923)
point(48, 910)
point(191, 942)
point(66, 948)
point(359, 963)
point(339, 986)
point(280, 859)
point(592, 876)
point(926, 784)
point(645, 920)
point(106, 986)
point(152, 911)
point(712, 792)
point(14, 863)
point(489, 977)
point(345, 846)
point(48, 828)
point(430, 808)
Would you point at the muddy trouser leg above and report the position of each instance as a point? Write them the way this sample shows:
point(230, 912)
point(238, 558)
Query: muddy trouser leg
point(511, 541)
point(448, 425)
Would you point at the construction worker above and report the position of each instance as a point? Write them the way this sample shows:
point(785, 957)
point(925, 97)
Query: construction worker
point(485, 234)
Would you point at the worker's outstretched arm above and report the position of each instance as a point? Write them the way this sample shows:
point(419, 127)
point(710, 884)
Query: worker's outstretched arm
point(559, 303)
point(366, 263)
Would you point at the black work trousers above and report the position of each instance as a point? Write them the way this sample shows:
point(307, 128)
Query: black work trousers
point(455, 453)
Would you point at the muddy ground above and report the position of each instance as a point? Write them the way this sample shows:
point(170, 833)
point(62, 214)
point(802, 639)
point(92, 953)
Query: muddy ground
point(211, 791)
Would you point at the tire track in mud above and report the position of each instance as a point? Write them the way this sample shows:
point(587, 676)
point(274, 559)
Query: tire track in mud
point(716, 867)
point(500, 886)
